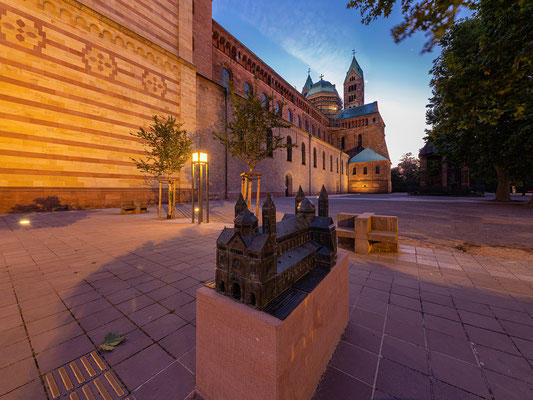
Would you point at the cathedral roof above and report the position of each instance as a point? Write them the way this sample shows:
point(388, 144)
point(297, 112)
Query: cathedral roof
point(367, 155)
point(354, 66)
point(322, 87)
point(353, 112)
point(308, 83)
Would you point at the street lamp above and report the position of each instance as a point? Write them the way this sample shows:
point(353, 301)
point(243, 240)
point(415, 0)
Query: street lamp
point(200, 161)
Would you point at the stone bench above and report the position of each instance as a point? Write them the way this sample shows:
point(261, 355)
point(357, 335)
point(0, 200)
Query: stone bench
point(133, 207)
point(366, 233)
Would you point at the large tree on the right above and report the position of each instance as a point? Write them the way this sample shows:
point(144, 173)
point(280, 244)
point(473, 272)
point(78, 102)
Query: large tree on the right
point(482, 105)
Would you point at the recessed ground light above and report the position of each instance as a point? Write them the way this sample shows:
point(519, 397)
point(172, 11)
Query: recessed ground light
point(24, 222)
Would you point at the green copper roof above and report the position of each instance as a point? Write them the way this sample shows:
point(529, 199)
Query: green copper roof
point(322, 87)
point(358, 111)
point(367, 155)
point(308, 83)
point(354, 66)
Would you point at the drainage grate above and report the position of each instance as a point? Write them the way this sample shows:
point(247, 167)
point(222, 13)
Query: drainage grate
point(87, 378)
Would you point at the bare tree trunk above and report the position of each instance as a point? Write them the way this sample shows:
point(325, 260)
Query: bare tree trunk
point(504, 184)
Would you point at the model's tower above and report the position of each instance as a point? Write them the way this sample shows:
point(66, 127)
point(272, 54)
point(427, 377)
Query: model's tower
point(308, 83)
point(269, 216)
point(298, 199)
point(354, 85)
point(240, 205)
point(323, 203)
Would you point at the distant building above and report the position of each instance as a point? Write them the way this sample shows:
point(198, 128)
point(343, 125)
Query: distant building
point(256, 265)
point(436, 175)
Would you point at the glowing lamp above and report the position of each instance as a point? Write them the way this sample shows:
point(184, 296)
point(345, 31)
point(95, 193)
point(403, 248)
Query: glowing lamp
point(199, 157)
point(24, 222)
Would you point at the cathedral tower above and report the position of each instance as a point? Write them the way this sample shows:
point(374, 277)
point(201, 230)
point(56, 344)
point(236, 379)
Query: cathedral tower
point(354, 86)
point(269, 216)
point(308, 83)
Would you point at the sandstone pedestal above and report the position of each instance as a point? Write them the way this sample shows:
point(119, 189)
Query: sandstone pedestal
point(242, 353)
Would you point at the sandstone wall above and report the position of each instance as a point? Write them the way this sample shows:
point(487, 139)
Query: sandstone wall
point(74, 85)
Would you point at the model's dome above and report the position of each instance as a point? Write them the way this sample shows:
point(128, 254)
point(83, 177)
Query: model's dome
point(322, 87)
point(306, 205)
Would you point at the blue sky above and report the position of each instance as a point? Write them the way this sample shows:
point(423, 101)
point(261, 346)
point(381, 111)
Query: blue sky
point(294, 35)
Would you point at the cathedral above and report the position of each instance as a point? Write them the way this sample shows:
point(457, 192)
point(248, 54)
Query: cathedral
point(78, 76)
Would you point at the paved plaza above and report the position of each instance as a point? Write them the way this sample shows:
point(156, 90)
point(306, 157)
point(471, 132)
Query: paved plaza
point(424, 324)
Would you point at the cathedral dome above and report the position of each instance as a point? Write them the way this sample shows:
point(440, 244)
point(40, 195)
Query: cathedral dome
point(322, 87)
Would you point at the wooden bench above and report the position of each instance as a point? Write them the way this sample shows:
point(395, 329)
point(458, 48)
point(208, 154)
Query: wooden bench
point(366, 233)
point(133, 207)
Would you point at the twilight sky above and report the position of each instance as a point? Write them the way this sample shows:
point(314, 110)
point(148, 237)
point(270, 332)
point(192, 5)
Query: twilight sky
point(294, 35)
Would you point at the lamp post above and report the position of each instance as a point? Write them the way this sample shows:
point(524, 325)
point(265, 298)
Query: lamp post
point(200, 162)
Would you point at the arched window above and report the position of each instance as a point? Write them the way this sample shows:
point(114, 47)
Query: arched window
point(269, 143)
point(289, 149)
point(247, 89)
point(359, 140)
point(377, 169)
point(303, 153)
point(354, 171)
point(365, 171)
point(264, 100)
point(225, 77)
point(278, 108)
point(289, 116)
point(342, 168)
point(319, 133)
point(306, 126)
point(314, 157)
point(313, 130)
point(347, 168)
point(342, 142)
point(298, 122)
point(337, 165)
point(324, 160)
point(331, 163)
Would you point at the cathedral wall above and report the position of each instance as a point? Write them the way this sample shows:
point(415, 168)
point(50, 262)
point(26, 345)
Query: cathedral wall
point(371, 182)
point(74, 85)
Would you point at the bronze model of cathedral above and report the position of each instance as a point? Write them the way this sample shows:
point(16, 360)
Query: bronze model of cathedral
point(257, 265)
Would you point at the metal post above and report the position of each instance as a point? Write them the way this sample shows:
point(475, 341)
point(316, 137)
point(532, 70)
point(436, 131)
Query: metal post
point(192, 192)
point(174, 200)
point(200, 196)
point(258, 191)
point(207, 191)
point(159, 213)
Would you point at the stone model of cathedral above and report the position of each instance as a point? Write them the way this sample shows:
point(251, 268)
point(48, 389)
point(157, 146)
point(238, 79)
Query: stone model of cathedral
point(256, 265)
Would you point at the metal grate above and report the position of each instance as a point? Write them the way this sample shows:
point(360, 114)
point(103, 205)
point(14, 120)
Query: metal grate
point(87, 378)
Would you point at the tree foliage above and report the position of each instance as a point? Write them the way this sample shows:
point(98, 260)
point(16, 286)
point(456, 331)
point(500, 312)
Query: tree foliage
point(482, 104)
point(168, 147)
point(406, 176)
point(250, 135)
point(434, 17)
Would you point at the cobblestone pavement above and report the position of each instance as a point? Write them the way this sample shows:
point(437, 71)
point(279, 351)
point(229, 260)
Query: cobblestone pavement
point(425, 324)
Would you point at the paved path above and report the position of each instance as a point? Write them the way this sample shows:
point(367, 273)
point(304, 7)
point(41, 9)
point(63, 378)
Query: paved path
point(426, 324)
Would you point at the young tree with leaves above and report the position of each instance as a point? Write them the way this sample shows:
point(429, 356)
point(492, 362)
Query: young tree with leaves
point(168, 148)
point(250, 135)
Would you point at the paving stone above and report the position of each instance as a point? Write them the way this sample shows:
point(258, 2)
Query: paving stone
point(458, 373)
point(355, 361)
point(367, 319)
point(525, 347)
point(405, 353)
point(135, 342)
point(506, 364)
point(32, 390)
point(144, 365)
point(180, 342)
point(337, 385)
point(374, 306)
point(443, 391)
point(402, 382)
point(405, 331)
point(163, 326)
point(506, 388)
point(404, 301)
point(444, 300)
point(491, 339)
point(176, 300)
point(51, 322)
point(404, 314)
point(451, 345)
point(54, 357)
point(440, 310)
point(518, 330)
point(362, 337)
point(480, 321)
point(375, 294)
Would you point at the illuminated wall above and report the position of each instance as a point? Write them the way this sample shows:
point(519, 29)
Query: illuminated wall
point(74, 84)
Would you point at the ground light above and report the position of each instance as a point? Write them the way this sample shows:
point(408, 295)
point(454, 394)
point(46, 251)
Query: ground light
point(200, 163)
point(24, 222)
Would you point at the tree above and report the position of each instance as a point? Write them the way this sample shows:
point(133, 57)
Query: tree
point(168, 148)
point(434, 17)
point(481, 110)
point(405, 177)
point(250, 135)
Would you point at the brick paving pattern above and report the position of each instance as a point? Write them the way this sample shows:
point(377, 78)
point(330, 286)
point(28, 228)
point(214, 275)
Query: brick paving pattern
point(425, 324)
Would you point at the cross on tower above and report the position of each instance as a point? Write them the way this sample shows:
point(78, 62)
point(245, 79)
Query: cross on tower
point(308, 71)
point(353, 53)
point(321, 76)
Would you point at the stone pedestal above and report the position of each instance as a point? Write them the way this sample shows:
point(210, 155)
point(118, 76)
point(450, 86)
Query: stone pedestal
point(242, 353)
